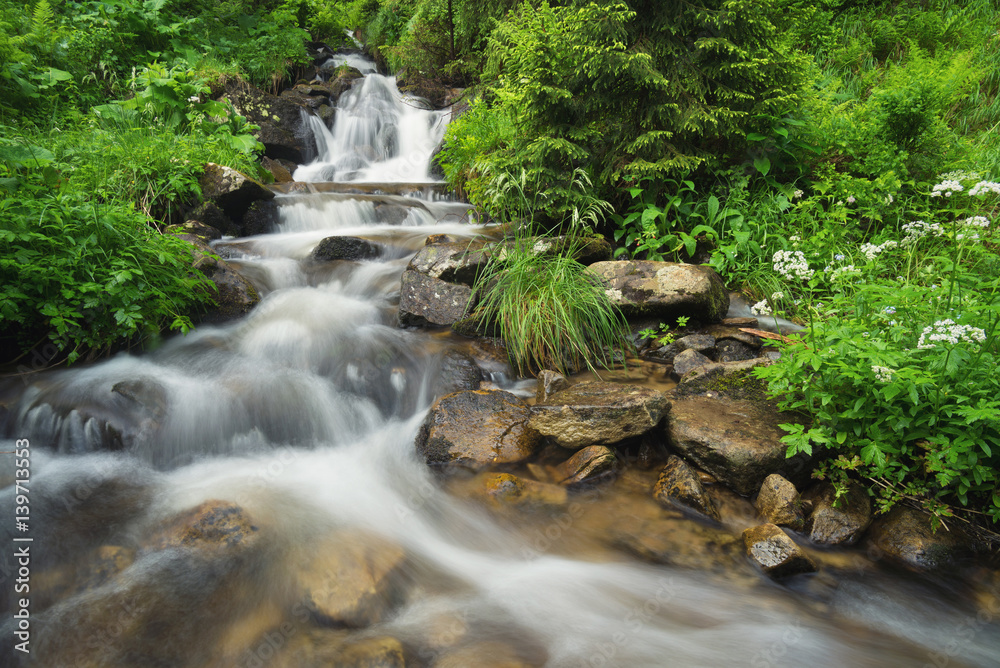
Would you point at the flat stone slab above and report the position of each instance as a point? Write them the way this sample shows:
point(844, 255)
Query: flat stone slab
point(664, 289)
point(596, 412)
point(477, 429)
point(737, 441)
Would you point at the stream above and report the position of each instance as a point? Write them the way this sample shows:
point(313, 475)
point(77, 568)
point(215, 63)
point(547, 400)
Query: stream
point(304, 414)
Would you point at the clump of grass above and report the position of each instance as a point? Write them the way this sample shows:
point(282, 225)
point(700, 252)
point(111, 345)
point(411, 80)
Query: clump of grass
point(551, 313)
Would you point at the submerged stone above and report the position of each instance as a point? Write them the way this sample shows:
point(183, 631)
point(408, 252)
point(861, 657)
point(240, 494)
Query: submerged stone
point(777, 554)
point(586, 465)
point(906, 536)
point(595, 412)
point(678, 484)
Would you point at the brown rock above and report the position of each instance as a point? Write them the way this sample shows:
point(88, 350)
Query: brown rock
point(598, 412)
point(738, 441)
point(212, 525)
point(687, 361)
point(586, 465)
point(842, 524)
point(775, 552)
point(278, 170)
point(664, 289)
point(778, 502)
point(549, 382)
point(905, 535)
point(485, 654)
point(679, 484)
point(353, 580)
point(477, 429)
point(504, 489)
point(722, 333)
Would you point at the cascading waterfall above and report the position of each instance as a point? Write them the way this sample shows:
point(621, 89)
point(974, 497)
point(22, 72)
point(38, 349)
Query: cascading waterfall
point(305, 412)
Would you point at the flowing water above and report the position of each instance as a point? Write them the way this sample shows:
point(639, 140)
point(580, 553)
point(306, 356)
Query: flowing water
point(304, 413)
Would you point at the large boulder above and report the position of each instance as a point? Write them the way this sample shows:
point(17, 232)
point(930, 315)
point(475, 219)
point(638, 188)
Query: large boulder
point(231, 190)
point(838, 521)
point(736, 440)
point(597, 412)
point(664, 289)
point(907, 536)
point(453, 262)
point(424, 300)
point(777, 554)
point(477, 429)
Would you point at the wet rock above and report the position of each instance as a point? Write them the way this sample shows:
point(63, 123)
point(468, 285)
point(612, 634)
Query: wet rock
point(596, 412)
point(345, 248)
point(679, 484)
point(700, 343)
point(549, 382)
point(438, 239)
point(418, 85)
point(145, 395)
point(210, 215)
point(231, 190)
point(905, 535)
point(279, 120)
point(86, 573)
point(392, 214)
point(776, 553)
point(234, 295)
point(738, 441)
point(458, 371)
point(504, 489)
point(457, 262)
point(740, 322)
point(491, 357)
point(732, 379)
point(260, 218)
point(679, 542)
point(424, 300)
point(353, 580)
point(485, 654)
point(663, 354)
point(477, 429)
point(324, 648)
point(196, 229)
point(842, 524)
point(216, 526)
point(280, 173)
point(586, 465)
point(689, 360)
point(778, 502)
point(730, 350)
point(664, 289)
point(585, 251)
point(724, 332)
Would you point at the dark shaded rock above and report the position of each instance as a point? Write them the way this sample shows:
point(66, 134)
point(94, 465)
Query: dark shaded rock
point(734, 380)
point(457, 262)
point(213, 526)
point(393, 214)
point(778, 502)
point(729, 350)
point(664, 289)
point(232, 191)
point(905, 535)
point(549, 382)
point(234, 295)
point(345, 248)
point(477, 429)
point(280, 173)
point(679, 484)
point(415, 83)
point(458, 371)
point(700, 343)
point(842, 524)
point(196, 229)
point(776, 553)
point(279, 120)
point(586, 465)
point(688, 360)
point(596, 412)
point(353, 580)
point(472, 327)
point(491, 357)
point(663, 354)
point(723, 332)
point(260, 218)
point(738, 441)
point(208, 213)
point(740, 322)
point(424, 300)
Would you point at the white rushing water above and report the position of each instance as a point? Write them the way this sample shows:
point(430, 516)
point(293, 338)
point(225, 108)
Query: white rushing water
point(305, 414)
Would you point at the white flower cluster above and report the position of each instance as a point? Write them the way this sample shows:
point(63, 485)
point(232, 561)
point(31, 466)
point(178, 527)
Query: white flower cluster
point(872, 251)
point(889, 199)
point(841, 273)
point(959, 175)
point(797, 194)
point(948, 332)
point(760, 308)
point(883, 374)
point(946, 188)
point(975, 221)
point(777, 296)
point(984, 187)
point(792, 264)
point(918, 229)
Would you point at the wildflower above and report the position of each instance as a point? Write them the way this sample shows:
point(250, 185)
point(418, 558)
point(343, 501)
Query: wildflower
point(760, 308)
point(975, 221)
point(948, 332)
point(889, 310)
point(984, 187)
point(946, 188)
point(871, 251)
point(851, 200)
point(840, 202)
point(795, 238)
point(797, 194)
point(918, 229)
point(843, 272)
point(792, 264)
point(889, 199)
point(883, 374)
point(838, 257)
point(777, 296)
